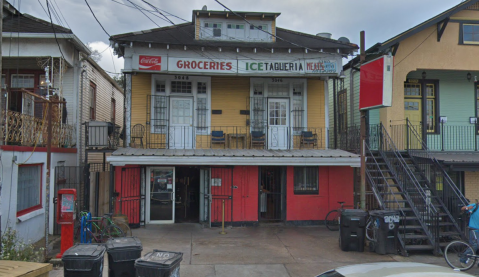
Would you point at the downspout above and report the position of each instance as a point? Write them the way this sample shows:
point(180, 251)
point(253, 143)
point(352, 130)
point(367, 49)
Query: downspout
point(351, 94)
point(334, 114)
point(80, 139)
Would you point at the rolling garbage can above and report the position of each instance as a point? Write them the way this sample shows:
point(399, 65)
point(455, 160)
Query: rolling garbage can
point(352, 230)
point(122, 253)
point(83, 260)
point(159, 264)
point(385, 224)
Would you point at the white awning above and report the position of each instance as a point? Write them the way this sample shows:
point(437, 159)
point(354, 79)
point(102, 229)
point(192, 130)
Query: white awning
point(256, 157)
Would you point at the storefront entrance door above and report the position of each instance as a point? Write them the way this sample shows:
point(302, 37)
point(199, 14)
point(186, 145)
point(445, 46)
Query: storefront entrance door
point(278, 120)
point(161, 195)
point(181, 124)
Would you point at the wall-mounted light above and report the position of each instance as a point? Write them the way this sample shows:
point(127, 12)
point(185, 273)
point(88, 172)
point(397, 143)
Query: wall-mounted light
point(341, 75)
point(424, 74)
point(473, 120)
point(469, 76)
point(443, 119)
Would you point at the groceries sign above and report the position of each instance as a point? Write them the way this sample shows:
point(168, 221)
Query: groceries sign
point(236, 67)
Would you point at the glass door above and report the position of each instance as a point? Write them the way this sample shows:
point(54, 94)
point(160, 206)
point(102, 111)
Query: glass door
point(278, 118)
point(161, 204)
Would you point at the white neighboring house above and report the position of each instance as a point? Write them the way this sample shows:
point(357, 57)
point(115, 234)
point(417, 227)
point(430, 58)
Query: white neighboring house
point(28, 47)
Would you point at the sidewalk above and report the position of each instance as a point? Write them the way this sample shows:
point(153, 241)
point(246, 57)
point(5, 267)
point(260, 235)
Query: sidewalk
point(258, 251)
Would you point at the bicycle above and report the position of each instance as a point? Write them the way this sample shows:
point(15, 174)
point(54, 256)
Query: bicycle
point(333, 218)
point(460, 255)
point(100, 229)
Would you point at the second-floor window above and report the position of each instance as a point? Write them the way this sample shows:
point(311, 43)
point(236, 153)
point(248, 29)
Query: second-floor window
point(212, 30)
point(113, 111)
point(298, 109)
point(470, 33)
point(23, 81)
point(259, 32)
point(201, 108)
point(92, 98)
point(236, 31)
point(342, 111)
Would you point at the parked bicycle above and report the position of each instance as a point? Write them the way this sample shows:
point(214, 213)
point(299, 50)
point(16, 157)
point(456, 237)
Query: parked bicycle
point(333, 218)
point(460, 255)
point(97, 229)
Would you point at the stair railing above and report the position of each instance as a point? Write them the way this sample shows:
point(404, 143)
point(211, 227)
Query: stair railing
point(375, 175)
point(423, 208)
point(448, 193)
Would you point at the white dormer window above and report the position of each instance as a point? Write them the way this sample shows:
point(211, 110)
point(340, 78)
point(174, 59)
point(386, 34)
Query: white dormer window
point(212, 30)
point(236, 31)
point(259, 32)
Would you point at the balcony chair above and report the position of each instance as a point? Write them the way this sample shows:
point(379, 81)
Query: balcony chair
point(258, 138)
point(218, 137)
point(308, 138)
point(137, 132)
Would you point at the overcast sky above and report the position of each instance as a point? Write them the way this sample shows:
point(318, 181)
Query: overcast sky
point(381, 19)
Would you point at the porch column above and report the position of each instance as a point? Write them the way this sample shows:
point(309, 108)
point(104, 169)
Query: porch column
point(128, 108)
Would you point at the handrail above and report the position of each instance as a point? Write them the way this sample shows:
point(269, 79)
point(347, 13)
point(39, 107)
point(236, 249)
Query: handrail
point(426, 151)
point(376, 193)
point(406, 178)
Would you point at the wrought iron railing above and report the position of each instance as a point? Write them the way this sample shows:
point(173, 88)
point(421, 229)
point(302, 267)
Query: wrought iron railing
point(440, 183)
point(27, 130)
point(102, 135)
point(385, 195)
point(421, 204)
point(228, 137)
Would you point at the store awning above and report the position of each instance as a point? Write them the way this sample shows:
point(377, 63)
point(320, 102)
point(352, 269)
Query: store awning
point(256, 157)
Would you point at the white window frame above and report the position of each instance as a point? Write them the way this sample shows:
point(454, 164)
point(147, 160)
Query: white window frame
point(21, 75)
point(233, 33)
point(207, 32)
point(291, 82)
point(40, 189)
point(260, 34)
point(194, 80)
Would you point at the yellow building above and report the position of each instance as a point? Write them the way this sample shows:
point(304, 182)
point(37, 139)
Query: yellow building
point(224, 107)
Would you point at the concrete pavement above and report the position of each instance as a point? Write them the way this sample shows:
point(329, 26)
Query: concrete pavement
point(258, 251)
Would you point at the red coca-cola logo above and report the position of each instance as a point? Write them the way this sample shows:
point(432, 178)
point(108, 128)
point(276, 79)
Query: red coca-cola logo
point(150, 63)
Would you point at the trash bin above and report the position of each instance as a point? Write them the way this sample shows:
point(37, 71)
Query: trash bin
point(83, 260)
point(122, 253)
point(352, 230)
point(159, 263)
point(386, 224)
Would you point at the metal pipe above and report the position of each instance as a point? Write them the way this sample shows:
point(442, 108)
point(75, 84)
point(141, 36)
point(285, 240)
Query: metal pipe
point(80, 117)
point(223, 220)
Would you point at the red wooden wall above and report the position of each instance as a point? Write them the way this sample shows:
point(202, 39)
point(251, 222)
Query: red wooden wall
point(336, 183)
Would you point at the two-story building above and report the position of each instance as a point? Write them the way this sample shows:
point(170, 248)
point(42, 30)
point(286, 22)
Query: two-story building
point(41, 63)
point(229, 108)
point(428, 138)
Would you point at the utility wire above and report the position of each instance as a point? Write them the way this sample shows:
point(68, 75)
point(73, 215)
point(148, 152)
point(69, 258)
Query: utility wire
point(53, 28)
point(55, 2)
point(96, 18)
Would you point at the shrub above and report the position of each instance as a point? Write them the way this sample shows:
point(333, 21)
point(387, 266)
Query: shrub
point(16, 249)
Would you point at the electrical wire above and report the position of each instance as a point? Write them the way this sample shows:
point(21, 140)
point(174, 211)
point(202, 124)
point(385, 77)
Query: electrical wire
point(433, 31)
point(55, 2)
point(53, 28)
point(96, 18)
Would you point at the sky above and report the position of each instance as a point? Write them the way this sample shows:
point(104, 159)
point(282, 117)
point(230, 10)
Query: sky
point(380, 19)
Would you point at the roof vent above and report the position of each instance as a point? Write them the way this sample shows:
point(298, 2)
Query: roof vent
point(204, 8)
point(344, 40)
point(324, 35)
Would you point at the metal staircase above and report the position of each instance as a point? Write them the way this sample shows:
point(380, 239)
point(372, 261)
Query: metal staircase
point(400, 184)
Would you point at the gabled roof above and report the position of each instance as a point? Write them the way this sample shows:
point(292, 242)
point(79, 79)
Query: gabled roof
point(428, 23)
point(184, 34)
point(25, 23)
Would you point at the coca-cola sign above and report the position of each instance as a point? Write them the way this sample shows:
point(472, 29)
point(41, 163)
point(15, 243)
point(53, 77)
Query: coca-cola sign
point(150, 63)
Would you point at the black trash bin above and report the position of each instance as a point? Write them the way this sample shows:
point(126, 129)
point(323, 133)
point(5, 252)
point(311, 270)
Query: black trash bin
point(159, 264)
point(352, 230)
point(385, 224)
point(122, 253)
point(83, 260)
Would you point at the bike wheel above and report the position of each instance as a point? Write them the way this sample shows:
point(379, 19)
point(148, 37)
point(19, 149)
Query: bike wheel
point(115, 231)
point(371, 230)
point(332, 220)
point(125, 228)
point(459, 255)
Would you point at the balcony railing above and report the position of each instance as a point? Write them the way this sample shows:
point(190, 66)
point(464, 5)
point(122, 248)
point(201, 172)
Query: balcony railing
point(102, 135)
point(226, 137)
point(26, 130)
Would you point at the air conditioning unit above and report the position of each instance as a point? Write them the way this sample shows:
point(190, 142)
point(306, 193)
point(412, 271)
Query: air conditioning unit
point(217, 32)
point(97, 134)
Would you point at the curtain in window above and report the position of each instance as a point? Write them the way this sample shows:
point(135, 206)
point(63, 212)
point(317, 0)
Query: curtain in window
point(29, 185)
